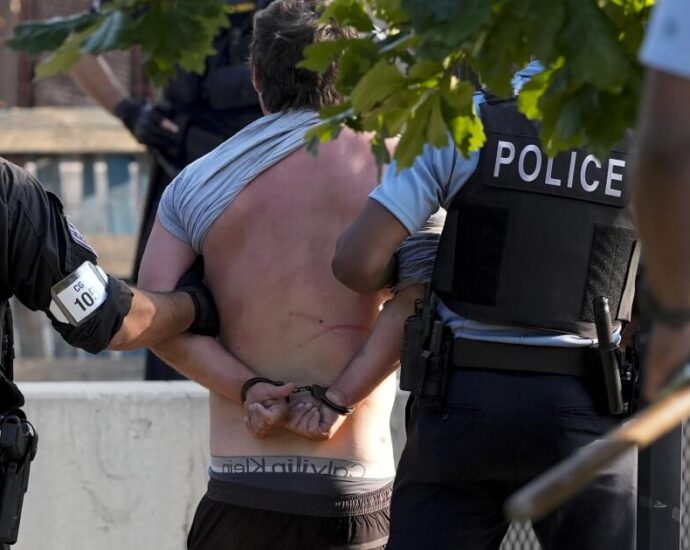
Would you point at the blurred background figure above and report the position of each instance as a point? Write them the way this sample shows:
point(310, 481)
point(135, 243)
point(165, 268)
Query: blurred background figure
point(662, 198)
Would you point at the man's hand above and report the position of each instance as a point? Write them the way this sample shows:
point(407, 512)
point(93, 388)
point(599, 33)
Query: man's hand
point(266, 408)
point(669, 349)
point(310, 418)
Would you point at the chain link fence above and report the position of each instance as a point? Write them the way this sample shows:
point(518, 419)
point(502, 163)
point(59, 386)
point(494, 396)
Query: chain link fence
point(522, 537)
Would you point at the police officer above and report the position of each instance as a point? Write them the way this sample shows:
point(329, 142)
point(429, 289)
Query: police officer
point(528, 243)
point(196, 114)
point(48, 265)
point(662, 197)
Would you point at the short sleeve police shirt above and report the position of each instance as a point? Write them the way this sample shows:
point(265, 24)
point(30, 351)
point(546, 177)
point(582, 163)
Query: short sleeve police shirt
point(414, 194)
point(667, 43)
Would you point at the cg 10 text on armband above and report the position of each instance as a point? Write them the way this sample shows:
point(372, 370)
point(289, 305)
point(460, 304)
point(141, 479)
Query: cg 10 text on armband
point(79, 295)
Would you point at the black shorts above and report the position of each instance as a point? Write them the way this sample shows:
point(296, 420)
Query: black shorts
point(223, 526)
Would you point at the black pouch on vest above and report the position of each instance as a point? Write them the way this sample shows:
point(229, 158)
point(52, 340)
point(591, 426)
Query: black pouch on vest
point(415, 358)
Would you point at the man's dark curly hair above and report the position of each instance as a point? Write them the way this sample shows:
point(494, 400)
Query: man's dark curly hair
point(281, 32)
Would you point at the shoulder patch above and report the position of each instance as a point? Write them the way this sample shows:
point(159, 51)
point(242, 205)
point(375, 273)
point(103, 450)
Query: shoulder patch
point(78, 238)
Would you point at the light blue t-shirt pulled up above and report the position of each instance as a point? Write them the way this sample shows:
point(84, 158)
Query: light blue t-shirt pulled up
point(414, 194)
point(205, 188)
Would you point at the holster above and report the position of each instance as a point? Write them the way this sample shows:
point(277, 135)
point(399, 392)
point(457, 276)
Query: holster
point(18, 439)
point(426, 355)
point(18, 442)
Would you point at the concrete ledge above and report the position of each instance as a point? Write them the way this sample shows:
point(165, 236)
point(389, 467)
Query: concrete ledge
point(119, 464)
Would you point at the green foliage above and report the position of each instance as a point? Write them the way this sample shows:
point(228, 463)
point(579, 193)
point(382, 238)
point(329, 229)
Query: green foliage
point(169, 32)
point(400, 77)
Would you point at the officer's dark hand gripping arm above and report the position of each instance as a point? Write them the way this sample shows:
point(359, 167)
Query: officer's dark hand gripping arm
point(365, 262)
point(43, 251)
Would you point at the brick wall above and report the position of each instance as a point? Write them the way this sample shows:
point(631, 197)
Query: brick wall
point(16, 71)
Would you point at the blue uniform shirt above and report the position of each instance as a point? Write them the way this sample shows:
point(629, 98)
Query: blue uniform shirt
point(667, 41)
point(431, 183)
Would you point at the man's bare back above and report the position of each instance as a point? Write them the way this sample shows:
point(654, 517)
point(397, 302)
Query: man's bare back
point(267, 261)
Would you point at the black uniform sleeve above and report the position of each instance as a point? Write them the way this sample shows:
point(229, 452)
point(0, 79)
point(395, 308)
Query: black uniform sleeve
point(42, 248)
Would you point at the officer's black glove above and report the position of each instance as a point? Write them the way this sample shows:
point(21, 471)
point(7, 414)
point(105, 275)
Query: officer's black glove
point(10, 396)
point(206, 320)
point(152, 125)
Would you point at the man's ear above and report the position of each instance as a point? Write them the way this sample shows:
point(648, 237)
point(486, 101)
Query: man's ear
point(256, 80)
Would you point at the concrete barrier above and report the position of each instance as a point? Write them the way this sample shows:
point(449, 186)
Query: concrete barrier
point(119, 464)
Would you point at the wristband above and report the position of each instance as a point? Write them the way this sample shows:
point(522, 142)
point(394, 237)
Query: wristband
point(674, 318)
point(256, 380)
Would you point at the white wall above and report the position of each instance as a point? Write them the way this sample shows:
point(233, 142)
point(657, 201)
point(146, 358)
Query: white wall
point(119, 464)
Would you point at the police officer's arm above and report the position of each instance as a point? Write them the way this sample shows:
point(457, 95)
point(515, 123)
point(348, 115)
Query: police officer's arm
point(375, 362)
point(381, 353)
point(365, 253)
point(153, 318)
point(43, 248)
point(662, 206)
point(397, 208)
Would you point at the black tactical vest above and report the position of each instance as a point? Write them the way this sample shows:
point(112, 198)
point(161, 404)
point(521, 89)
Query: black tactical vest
point(530, 241)
point(223, 99)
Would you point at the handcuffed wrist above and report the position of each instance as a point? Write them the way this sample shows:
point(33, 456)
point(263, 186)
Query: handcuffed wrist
point(252, 382)
point(339, 397)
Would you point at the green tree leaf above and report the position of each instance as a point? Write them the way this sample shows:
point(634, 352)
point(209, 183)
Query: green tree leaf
point(35, 37)
point(109, 34)
point(398, 78)
point(349, 13)
point(379, 83)
point(60, 60)
point(414, 137)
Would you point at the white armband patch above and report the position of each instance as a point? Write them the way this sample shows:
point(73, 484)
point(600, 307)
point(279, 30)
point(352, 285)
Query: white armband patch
point(79, 294)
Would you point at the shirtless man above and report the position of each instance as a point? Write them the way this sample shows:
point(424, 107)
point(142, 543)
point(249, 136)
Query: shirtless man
point(265, 214)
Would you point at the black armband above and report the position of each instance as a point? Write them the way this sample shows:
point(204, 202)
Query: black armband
point(95, 334)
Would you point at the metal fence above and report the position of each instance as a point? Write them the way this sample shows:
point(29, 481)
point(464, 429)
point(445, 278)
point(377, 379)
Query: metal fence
point(522, 537)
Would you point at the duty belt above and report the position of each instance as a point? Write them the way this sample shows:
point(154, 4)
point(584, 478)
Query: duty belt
point(477, 354)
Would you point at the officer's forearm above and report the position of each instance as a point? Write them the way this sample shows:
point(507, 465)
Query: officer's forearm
point(95, 77)
point(204, 360)
point(153, 318)
point(380, 355)
point(362, 275)
point(662, 188)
